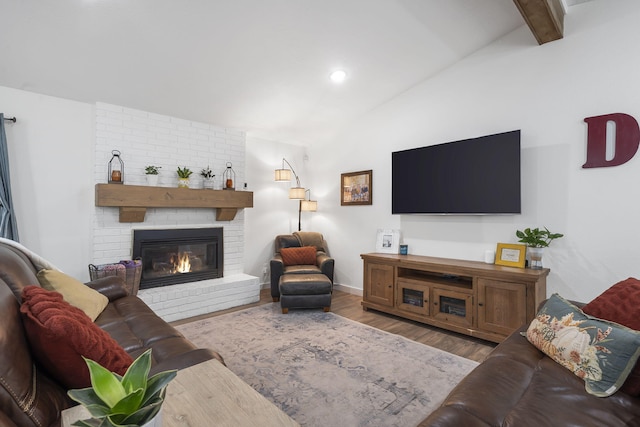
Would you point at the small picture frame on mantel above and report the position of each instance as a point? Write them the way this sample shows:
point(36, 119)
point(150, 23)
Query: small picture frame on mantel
point(388, 241)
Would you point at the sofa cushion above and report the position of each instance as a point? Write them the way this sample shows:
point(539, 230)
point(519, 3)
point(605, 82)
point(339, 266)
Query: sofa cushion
point(621, 304)
point(603, 353)
point(305, 255)
point(74, 292)
point(60, 334)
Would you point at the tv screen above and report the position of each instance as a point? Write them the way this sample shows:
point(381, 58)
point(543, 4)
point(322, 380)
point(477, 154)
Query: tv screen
point(472, 176)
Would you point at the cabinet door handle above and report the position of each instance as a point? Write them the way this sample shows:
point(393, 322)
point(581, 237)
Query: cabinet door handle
point(435, 303)
point(390, 286)
point(480, 304)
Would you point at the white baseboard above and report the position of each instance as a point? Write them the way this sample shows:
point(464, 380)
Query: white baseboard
point(347, 289)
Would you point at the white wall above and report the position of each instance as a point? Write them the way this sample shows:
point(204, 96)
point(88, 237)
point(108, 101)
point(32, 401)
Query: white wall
point(546, 91)
point(273, 212)
point(50, 152)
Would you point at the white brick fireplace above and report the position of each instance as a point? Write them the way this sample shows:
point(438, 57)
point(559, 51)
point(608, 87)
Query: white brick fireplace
point(150, 139)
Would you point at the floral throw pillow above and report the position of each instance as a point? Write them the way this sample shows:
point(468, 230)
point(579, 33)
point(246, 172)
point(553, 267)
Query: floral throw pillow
point(603, 353)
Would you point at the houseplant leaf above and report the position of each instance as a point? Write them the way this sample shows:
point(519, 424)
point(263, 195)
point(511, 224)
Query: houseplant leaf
point(130, 403)
point(88, 398)
point(123, 401)
point(105, 384)
point(157, 385)
point(137, 374)
point(144, 414)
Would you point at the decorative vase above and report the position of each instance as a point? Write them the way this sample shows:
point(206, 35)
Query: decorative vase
point(152, 180)
point(208, 183)
point(183, 182)
point(535, 257)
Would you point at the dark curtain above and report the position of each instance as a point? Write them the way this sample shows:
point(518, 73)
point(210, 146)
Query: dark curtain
point(8, 224)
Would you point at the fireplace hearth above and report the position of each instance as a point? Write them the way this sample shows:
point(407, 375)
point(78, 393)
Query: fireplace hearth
point(172, 256)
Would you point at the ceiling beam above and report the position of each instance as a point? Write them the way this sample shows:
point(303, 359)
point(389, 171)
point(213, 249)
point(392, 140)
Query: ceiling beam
point(545, 18)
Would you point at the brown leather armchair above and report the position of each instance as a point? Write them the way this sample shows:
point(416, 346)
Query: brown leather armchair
point(324, 263)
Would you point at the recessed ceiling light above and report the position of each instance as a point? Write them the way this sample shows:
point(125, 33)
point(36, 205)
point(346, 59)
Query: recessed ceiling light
point(338, 76)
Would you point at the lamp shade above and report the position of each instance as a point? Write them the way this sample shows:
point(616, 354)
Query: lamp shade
point(308, 205)
point(283, 175)
point(296, 193)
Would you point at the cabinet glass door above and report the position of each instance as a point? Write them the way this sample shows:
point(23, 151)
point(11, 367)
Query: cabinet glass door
point(453, 306)
point(412, 296)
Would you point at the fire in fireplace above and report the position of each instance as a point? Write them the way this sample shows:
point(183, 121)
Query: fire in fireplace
point(171, 256)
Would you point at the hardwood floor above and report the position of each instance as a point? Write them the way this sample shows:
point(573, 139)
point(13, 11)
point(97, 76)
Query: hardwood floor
point(348, 305)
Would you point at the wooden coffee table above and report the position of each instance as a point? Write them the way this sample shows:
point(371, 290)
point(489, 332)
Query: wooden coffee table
point(209, 394)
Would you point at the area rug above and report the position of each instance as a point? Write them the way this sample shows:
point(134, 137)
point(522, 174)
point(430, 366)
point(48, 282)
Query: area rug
point(325, 370)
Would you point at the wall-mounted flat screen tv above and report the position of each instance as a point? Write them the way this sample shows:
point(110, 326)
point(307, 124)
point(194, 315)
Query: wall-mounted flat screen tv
point(471, 176)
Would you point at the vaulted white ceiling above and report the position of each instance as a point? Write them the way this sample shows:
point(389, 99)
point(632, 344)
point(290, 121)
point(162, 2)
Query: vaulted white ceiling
point(258, 65)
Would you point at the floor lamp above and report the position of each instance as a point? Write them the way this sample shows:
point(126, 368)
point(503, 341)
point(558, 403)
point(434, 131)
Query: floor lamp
point(296, 193)
point(306, 205)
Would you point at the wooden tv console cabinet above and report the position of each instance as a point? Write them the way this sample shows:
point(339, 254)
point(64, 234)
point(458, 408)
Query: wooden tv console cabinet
point(474, 298)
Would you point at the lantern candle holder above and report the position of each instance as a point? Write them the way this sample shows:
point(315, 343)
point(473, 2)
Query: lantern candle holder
point(229, 178)
point(116, 168)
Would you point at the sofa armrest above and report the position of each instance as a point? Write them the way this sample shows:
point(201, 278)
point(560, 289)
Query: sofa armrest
point(186, 359)
point(326, 264)
point(112, 287)
point(277, 269)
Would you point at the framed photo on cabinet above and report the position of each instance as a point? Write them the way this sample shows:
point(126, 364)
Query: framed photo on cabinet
point(356, 188)
point(511, 255)
point(388, 241)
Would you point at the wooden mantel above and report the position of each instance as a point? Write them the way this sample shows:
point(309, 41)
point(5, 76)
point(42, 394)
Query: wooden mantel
point(133, 200)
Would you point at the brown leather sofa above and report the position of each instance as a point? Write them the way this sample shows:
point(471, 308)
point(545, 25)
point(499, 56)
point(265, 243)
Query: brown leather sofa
point(28, 395)
point(518, 385)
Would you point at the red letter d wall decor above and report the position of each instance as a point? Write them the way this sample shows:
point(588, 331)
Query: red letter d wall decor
point(626, 141)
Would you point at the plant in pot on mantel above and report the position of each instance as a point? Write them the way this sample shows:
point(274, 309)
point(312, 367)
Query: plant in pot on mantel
point(132, 400)
point(207, 178)
point(152, 174)
point(183, 177)
point(536, 240)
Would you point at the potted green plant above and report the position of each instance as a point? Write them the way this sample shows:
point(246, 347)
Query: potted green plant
point(207, 178)
point(183, 176)
point(536, 240)
point(152, 174)
point(132, 400)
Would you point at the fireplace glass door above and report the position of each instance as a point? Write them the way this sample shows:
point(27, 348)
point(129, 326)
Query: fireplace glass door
point(178, 256)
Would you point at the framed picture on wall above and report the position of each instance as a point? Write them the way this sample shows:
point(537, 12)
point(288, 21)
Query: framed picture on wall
point(511, 255)
point(356, 188)
point(388, 241)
